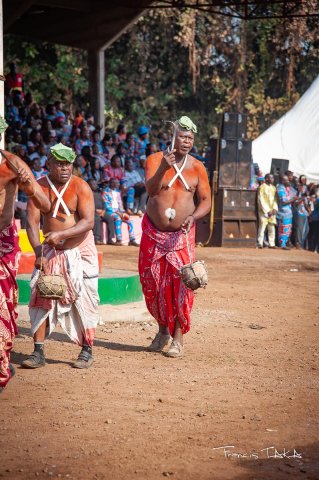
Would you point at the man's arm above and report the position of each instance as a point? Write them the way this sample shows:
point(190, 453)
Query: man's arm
point(33, 232)
point(26, 181)
point(154, 174)
point(85, 211)
point(204, 198)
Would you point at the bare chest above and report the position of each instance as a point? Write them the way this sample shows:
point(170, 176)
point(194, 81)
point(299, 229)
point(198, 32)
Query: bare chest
point(183, 181)
point(62, 203)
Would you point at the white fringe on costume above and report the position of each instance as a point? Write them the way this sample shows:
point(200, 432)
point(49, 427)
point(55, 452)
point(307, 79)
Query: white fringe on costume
point(80, 318)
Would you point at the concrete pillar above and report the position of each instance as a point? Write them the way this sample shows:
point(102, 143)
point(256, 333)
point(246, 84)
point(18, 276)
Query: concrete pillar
point(96, 66)
point(1, 71)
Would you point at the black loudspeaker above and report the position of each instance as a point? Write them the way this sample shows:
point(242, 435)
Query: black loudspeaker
point(278, 167)
point(234, 218)
point(212, 157)
point(234, 163)
point(234, 125)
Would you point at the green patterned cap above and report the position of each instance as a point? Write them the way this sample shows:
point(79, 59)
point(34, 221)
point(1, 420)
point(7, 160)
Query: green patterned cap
point(62, 153)
point(187, 124)
point(3, 125)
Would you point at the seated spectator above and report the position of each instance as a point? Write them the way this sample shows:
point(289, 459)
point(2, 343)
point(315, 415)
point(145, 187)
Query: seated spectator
point(162, 141)
point(77, 170)
point(83, 141)
point(141, 144)
point(114, 170)
point(108, 148)
point(50, 112)
point(150, 149)
point(79, 117)
point(96, 172)
point(96, 141)
point(100, 217)
point(113, 206)
point(130, 147)
point(121, 132)
point(136, 193)
point(59, 115)
point(103, 161)
point(121, 152)
point(43, 155)
point(36, 169)
point(141, 168)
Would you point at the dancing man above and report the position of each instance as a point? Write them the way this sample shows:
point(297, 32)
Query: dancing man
point(172, 179)
point(70, 249)
point(14, 174)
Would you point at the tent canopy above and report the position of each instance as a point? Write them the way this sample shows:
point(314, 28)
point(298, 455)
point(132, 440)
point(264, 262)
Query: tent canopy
point(294, 137)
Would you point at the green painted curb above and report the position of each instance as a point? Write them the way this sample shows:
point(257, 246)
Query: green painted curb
point(112, 290)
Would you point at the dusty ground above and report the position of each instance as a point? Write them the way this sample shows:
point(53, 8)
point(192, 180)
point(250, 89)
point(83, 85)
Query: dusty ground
point(141, 415)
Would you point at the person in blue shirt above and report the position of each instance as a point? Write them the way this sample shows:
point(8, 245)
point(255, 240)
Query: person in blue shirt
point(301, 212)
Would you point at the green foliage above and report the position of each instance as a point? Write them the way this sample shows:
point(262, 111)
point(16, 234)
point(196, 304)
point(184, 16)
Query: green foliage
point(172, 63)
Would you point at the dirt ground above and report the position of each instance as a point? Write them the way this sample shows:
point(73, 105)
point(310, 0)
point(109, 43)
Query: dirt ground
point(248, 382)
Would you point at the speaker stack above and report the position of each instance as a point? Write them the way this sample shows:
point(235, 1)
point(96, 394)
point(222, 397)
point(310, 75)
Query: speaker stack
point(234, 204)
point(278, 167)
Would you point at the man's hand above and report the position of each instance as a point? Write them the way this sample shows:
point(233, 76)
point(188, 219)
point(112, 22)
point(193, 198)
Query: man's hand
point(168, 159)
point(274, 212)
point(25, 181)
point(53, 238)
point(41, 262)
point(100, 212)
point(189, 222)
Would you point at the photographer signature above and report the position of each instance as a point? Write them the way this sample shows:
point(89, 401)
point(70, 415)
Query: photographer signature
point(268, 452)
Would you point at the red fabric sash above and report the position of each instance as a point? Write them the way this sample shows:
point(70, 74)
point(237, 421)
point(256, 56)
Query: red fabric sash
point(162, 254)
point(9, 263)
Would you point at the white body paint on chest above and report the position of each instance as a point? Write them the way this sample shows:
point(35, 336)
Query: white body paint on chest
point(59, 196)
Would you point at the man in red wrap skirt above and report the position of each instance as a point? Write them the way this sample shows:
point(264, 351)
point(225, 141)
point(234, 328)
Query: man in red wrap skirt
point(172, 179)
point(14, 173)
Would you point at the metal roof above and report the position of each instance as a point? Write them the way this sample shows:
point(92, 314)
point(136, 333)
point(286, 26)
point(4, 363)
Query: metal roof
point(95, 24)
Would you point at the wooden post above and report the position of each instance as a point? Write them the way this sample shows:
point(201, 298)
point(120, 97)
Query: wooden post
point(96, 66)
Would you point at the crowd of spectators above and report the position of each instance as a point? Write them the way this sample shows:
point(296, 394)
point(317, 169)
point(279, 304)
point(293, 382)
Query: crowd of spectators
point(288, 212)
point(113, 162)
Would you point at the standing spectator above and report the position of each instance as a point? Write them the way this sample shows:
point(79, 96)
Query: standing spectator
point(292, 179)
point(314, 220)
point(267, 210)
point(114, 206)
point(286, 197)
point(301, 212)
point(100, 217)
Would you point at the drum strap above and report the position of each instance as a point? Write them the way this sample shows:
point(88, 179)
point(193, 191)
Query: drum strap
point(188, 248)
point(59, 196)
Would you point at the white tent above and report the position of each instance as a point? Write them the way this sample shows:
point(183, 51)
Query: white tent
point(294, 137)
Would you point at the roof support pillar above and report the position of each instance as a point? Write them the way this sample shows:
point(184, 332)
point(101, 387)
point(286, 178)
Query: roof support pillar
point(96, 64)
